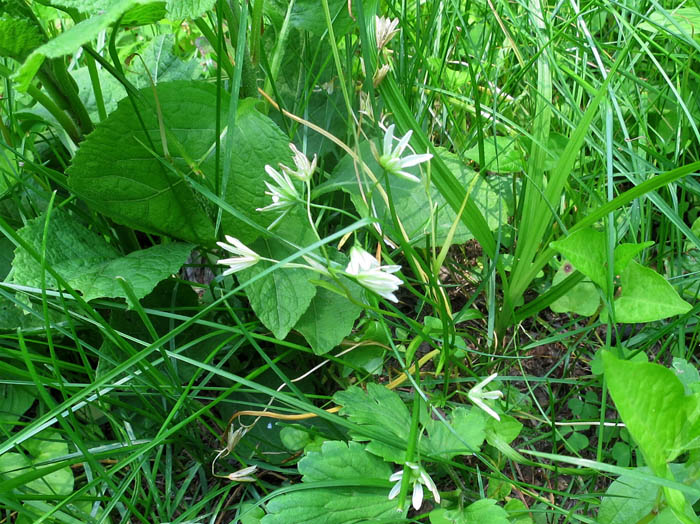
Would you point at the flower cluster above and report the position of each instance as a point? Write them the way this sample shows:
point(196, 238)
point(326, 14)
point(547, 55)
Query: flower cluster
point(363, 267)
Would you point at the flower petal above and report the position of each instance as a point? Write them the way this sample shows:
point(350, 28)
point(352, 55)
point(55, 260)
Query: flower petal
point(395, 490)
point(417, 497)
point(430, 485)
point(486, 408)
point(403, 143)
point(388, 140)
point(414, 160)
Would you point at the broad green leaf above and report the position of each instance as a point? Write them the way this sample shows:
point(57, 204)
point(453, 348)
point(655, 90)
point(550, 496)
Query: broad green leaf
point(308, 15)
point(295, 437)
point(144, 14)
point(69, 41)
point(501, 155)
point(328, 319)
point(109, 170)
point(582, 299)
point(646, 296)
point(554, 149)
point(469, 433)
point(250, 513)
point(661, 418)
point(80, 513)
point(383, 412)
point(19, 311)
point(345, 504)
point(576, 441)
point(15, 400)
point(624, 253)
point(695, 228)
point(280, 298)
point(89, 264)
point(687, 374)
point(518, 512)
point(18, 36)
point(112, 91)
point(46, 446)
point(257, 141)
point(506, 430)
point(83, 6)
point(493, 195)
point(682, 20)
point(627, 500)
point(179, 9)
point(342, 461)
point(115, 172)
point(161, 64)
point(484, 511)
point(6, 256)
point(386, 416)
point(585, 249)
point(368, 358)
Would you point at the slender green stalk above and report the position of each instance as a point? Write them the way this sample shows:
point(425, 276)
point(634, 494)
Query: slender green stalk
point(49, 105)
point(96, 86)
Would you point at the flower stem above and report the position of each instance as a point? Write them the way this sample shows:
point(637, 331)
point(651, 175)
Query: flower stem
point(410, 447)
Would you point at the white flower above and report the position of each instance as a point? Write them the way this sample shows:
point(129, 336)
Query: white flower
point(243, 475)
point(379, 74)
point(391, 160)
point(367, 271)
point(246, 256)
point(304, 168)
point(284, 194)
point(384, 30)
point(418, 478)
point(477, 396)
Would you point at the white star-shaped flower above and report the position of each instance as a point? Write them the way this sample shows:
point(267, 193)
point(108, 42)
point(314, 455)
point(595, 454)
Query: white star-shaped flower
point(384, 30)
point(305, 168)
point(284, 194)
point(477, 396)
point(367, 271)
point(246, 257)
point(418, 479)
point(243, 475)
point(391, 160)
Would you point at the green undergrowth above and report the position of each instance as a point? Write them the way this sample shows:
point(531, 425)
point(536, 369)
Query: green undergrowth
point(319, 261)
